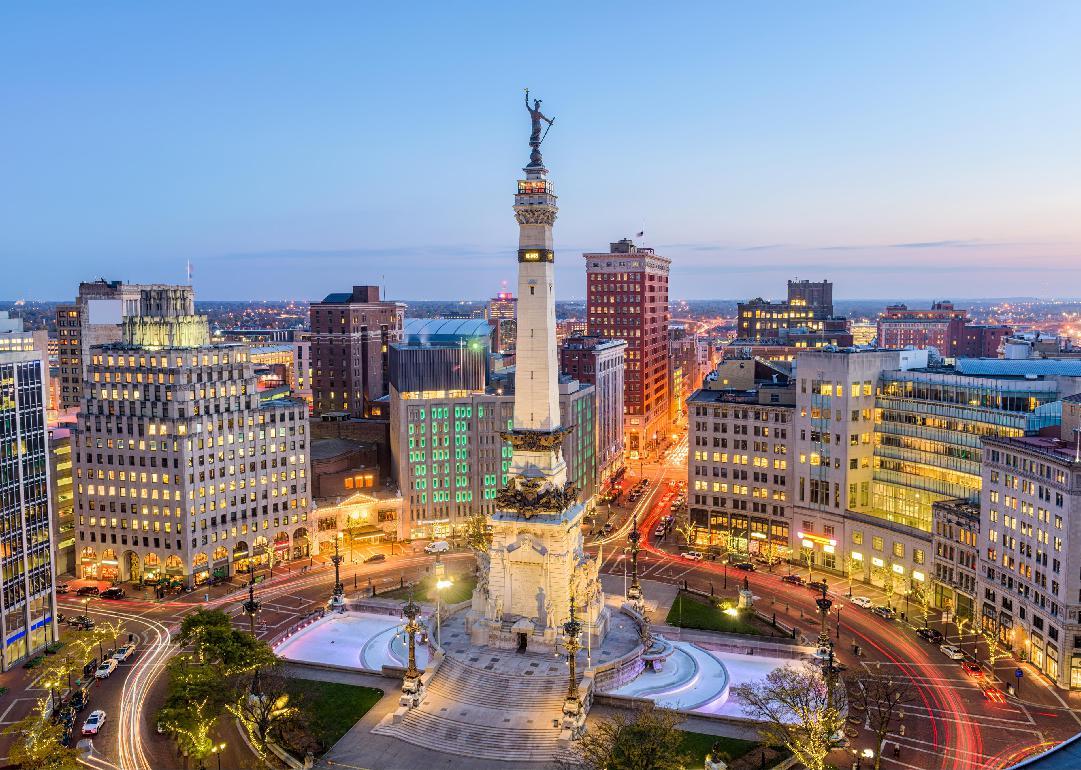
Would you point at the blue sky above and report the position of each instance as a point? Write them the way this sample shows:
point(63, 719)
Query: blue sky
point(290, 150)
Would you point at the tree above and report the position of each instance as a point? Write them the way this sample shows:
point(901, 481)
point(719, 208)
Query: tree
point(882, 699)
point(683, 525)
point(994, 647)
point(922, 597)
point(265, 712)
point(798, 708)
point(854, 566)
point(36, 745)
point(646, 739)
point(217, 643)
point(961, 622)
point(888, 586)
point(478, 535)
point(195, 699)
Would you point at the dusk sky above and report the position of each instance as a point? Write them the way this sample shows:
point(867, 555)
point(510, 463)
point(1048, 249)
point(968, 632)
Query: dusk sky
point(293, 149)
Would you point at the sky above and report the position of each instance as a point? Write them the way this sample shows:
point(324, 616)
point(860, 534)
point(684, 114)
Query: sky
point(289, 150)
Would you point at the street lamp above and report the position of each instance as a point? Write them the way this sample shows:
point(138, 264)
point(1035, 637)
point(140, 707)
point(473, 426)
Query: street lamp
point(411, 685)
point(572, 706)
point(218, 749)
point(839, 608)
point(441, 583)
point(337, 599)
point(634, 593)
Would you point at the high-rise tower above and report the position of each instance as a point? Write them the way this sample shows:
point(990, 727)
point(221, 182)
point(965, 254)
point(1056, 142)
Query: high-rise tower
point(536, 561)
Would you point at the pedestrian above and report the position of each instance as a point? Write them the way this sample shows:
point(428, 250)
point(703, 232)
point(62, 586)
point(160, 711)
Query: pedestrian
point(896, 750)
point(901, 730)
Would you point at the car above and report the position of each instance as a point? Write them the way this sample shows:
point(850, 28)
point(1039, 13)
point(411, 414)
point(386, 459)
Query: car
point(817, 586)
point(932, 635)
point(113, 593)
point(746, 566)
point(607, 528)
point(89, 668)
point(993, 694)
point(62, 588)
point(692, 555)
point(862, 601)
point(81, 622)
point(884, 612)
point(952, 651)
point(972, 667)
point(88, 591)
point(659, 531)
point(94, 722)
point(124, 652)
point(65, 714)
point(437, 546)
point(376, 557)
point(105, 670)
point(795, 580)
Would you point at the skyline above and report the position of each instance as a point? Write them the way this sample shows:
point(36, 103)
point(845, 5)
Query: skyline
point(288, 155)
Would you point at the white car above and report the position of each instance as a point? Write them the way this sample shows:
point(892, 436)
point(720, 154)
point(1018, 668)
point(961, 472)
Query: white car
point(862, 601)
point(123, 653)
point(438, 546)
point(692, 555)
point(94, 722)
point(107, 667)
point(952, 651)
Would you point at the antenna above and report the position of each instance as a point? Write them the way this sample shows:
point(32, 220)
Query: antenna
point(1077, 451)
point(189, 272)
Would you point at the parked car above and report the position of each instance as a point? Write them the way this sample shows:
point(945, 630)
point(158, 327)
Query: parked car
point(817, 586)
point(88, 591)
point(931, 635)
point(376, 557)
point(607, 528)
point(884, 612)
point(437, 546)
point(62, 588)
point(952, 651)
point(692, 555)
point(795, 580)
point(124, 652)
point(94, 722)
point(113, 593)
point(65, 714)
point(971, 667)
point(862, 601)
point(746, 566)
point(105, 670)
point(90, 667)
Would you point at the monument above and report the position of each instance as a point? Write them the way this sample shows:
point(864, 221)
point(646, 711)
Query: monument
point(536, 563)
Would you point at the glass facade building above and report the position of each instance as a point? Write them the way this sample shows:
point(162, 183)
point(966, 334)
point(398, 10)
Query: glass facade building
point(928, 429)
point(27, 601)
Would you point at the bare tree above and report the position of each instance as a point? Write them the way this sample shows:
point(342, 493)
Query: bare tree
point(799, 708)
point(882, 698)
point(994, 647)
point(888, 586)
point(683, 525)
point(645, 739)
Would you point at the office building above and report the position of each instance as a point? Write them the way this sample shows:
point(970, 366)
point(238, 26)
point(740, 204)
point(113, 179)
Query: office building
point(63, 499)
point(739, 478)
point(806, 309)
point(180, 471)
point(438, 354)
point(502, 315)
point(351, 335)
point(599, 362)
point(1030, 587)
point(943, 327)
point(627, 298)
point(955, 542)
point(28, 599)
point(450, 460)
point(94, 318)
point(14, 338)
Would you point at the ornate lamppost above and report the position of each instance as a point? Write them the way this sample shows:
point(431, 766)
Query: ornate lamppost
point(825, 646)
point(634, 593)
point(411, 685)
point(573, 712)
point(251, 608)
point(337, 599)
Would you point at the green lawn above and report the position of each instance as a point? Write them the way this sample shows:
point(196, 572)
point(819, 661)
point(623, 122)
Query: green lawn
point(699, 744)
point(693, 611)
point(332, 708)
point(460, 589)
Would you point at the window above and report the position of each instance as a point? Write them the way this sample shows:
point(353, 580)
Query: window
point(876, 543)
point(899, 550)
point(857, 538)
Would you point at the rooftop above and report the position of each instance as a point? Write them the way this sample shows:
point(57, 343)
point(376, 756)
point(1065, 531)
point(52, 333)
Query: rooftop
point(1023, 367)
point(327, 448)
point(1048, 446)
point(428, 331)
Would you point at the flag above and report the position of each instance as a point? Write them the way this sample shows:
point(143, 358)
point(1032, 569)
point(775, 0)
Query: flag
point(640, 234)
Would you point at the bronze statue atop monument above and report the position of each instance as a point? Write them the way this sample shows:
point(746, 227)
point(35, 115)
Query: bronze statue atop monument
point(535, 136)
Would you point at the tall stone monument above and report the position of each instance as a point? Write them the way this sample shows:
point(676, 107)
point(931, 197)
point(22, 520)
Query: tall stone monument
point(536, 560)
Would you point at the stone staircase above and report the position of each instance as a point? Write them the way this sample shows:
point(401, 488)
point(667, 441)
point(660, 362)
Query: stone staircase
point(473, 709)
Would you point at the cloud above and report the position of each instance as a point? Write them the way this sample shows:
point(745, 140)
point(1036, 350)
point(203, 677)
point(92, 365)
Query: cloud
point(941, 244)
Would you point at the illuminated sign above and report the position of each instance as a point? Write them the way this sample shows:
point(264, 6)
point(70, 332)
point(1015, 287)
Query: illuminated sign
point(816, 539)
point(536, 255)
